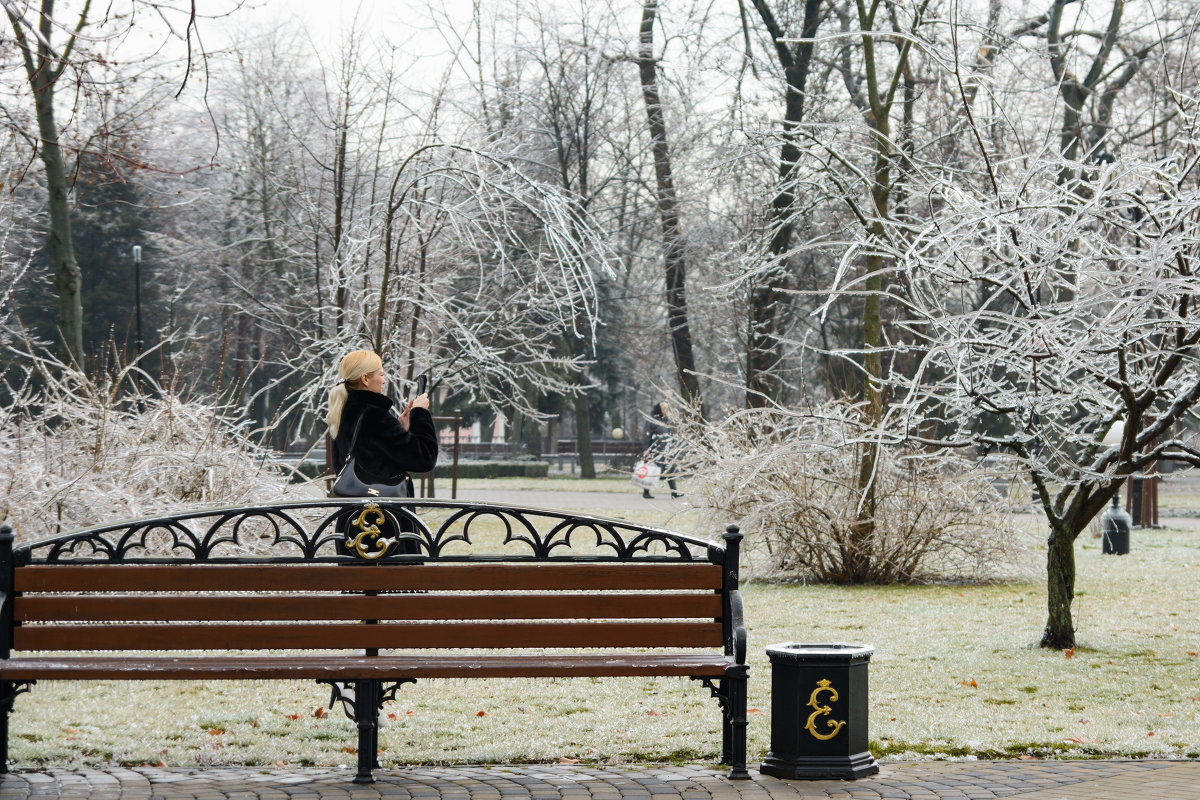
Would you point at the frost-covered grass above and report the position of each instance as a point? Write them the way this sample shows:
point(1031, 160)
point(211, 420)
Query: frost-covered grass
point(954, 673)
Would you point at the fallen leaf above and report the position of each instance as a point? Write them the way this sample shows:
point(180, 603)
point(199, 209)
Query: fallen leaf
point(568, 761)
point(253, 723)
point(891, 719)
point(393, 716)
point(1069, 652)
point(280, 764)
point(163, 764)
point(320, 713)
point(1076, 739)
point(971, 683)
point(215, 731)
point(1195, 653)
point(754, 711)
point(1149, 733)
point(292, 716)
point(653, 713)
point(349, 750)
point(482, 714)
point(1027, 757)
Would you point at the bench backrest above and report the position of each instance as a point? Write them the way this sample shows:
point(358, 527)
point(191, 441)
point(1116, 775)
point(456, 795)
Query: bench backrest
point(302, 606)
point(555, 598)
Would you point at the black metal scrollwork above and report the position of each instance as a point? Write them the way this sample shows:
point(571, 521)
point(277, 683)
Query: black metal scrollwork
point(343, 692)
point(341, 529)
point(9, 690)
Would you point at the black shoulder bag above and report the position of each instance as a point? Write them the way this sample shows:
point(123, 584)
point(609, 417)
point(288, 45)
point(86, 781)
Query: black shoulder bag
point(348, 483)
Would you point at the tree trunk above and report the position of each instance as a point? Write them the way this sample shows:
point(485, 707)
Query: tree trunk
point(1060, 585)
point(668, 211)
point(583, 436)
point(763, 348)
point(68, 279)
point(43, 67)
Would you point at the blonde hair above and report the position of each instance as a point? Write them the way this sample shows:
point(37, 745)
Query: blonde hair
point(351, 370)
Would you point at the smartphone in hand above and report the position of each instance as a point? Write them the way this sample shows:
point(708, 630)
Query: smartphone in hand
point(422, 385)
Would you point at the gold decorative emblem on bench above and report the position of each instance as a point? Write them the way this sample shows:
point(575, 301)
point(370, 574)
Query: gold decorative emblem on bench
point(367, 542)
point(823, 685)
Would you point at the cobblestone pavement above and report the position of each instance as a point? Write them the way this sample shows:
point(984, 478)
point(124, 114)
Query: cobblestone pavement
point(980, 780)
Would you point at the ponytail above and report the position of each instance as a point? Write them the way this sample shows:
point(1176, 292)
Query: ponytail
point(337, 401)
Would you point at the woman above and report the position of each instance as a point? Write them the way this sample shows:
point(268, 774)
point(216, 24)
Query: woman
point(386, 447)
point(657, 442)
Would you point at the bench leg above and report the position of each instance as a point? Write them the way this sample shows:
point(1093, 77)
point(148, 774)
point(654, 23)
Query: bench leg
point(733, 742)
point(6, 703)
point(8, 695)
point(366, 715)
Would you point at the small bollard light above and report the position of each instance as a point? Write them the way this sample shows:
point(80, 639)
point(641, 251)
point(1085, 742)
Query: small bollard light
point(1115, 523)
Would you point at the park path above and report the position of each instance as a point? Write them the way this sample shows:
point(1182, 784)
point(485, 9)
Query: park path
point(969, 780)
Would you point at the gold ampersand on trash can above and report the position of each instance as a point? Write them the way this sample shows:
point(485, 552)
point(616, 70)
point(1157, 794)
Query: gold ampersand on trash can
point(823, 711)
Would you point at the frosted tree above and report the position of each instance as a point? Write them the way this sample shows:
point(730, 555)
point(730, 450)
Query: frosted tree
point(69, 52)
point(1041, 314)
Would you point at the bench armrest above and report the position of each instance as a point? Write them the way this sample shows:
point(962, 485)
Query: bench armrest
point(736, 645)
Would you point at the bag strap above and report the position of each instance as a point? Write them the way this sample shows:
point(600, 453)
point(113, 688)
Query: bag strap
point(354, 438)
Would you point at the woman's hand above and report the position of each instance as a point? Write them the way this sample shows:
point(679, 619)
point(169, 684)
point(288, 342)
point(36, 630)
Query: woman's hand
point(420, 401)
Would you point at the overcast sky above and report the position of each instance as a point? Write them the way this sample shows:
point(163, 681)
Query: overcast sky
point(404, 22)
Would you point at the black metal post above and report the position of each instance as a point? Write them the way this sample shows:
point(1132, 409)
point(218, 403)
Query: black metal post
point(137, 306)
point(454, 467)
point(730, 566)
point(734, 746)
point(366, 714)
point(733, 732)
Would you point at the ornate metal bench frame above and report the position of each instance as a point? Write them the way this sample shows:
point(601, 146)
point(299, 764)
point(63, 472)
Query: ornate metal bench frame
point(345, 530)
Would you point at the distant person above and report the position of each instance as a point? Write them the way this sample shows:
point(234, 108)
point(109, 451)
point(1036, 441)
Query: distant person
point(657, 443)
point(386, 446)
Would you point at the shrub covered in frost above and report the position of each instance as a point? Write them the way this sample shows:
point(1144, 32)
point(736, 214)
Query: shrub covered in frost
point(76, 452)
point(792, 481)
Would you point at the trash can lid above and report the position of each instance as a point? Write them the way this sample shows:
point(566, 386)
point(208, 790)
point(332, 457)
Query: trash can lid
point(827, 651)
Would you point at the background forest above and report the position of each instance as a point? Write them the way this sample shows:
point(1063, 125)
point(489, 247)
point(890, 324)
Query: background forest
point(882, 240)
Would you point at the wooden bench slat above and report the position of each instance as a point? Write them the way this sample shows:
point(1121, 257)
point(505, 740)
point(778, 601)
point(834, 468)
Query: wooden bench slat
point(80, 608)
point(349, 668)
point(541, 576)
point(337, 636)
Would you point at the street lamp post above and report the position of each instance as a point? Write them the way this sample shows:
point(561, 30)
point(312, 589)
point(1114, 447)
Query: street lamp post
point(137, 305)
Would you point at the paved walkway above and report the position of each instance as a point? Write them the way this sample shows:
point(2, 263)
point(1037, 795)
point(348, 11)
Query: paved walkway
point(972, 780)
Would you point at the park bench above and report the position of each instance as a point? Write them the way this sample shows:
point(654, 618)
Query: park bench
point(332, 590)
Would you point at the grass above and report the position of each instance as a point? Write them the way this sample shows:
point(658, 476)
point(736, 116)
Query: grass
point(955, 673)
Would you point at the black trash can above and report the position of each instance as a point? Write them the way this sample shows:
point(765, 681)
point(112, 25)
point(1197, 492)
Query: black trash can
point(819, 712)
point(1114, 529)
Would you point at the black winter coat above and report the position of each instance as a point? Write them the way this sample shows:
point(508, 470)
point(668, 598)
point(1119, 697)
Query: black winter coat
point(656, 438)
point(384, 451)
